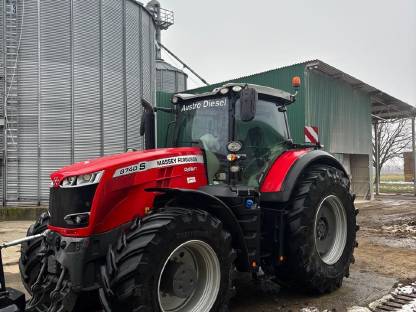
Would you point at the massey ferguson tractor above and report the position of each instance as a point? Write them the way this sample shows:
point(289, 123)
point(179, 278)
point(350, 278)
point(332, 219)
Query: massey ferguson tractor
point(166, 229)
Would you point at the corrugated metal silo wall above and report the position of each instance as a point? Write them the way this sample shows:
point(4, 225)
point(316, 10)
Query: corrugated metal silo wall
point(163, 99)
point(29, 106)
point(170, 81)
point(83, 68)
point(341, 112)
point(87, 77)
point(281, 79)
point(2, 91)
point(55, 88)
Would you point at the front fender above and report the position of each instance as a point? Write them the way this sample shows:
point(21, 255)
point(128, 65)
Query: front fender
point(280, 180)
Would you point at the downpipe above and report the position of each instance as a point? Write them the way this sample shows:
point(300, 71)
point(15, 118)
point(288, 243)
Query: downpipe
point(12, 300)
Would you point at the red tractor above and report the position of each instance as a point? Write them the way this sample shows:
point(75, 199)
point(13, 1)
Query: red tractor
point(165, 229)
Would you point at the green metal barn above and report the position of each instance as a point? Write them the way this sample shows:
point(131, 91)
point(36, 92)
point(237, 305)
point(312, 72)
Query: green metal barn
point(341, 106)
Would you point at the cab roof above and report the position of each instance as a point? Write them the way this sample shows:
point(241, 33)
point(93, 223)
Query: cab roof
point(272, 94)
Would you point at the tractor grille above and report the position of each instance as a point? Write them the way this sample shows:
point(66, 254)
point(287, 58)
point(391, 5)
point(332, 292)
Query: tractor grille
point(65, 201)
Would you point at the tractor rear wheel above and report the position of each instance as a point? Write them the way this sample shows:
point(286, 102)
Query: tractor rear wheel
point(30, 262)
point(173, 260)
point(321, 231)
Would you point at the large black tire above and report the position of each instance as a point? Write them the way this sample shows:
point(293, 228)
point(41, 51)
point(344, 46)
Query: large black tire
point(305, 268)
point(135, 264)
point(29, 262)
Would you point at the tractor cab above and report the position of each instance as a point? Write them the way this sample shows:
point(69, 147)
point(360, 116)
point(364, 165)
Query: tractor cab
point(242, 129)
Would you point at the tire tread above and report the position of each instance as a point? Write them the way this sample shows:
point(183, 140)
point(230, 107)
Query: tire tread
point(131, 257)
point(301, 269)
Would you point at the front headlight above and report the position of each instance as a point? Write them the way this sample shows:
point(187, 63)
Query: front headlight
point(69, 181)
point(82, 180)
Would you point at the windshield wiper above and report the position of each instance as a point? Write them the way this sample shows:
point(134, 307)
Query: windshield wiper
point(191, 142)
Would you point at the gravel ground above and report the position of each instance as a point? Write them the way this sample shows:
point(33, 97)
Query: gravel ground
point(386, 256)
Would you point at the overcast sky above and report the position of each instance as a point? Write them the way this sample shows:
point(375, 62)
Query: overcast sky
point(372, 40)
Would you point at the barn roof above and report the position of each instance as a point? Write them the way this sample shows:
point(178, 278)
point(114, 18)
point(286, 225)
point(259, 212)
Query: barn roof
point(383, 105)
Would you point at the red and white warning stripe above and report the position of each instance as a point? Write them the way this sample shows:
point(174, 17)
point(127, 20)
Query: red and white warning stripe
point(311, 134)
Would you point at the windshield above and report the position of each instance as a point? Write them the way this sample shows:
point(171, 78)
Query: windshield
point(206, 123)
point(263, 140)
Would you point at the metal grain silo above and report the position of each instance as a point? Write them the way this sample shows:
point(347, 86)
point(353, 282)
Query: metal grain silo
point(170, 79)
point(83, 68)
point(2, 76)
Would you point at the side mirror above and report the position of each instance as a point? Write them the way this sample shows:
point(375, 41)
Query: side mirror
point(147, 126)
point(142, 125)
point(170, 134)
point(248, 103)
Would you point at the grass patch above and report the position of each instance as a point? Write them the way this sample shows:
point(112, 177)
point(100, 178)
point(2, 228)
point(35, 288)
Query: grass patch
point(396, 188)
point(393, 183)
point(392, 177)
point(19, 213)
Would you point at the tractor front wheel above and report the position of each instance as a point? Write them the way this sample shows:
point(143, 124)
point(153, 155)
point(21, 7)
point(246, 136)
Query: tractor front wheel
point(172, 260)
point(321, 231)
point(30, 258)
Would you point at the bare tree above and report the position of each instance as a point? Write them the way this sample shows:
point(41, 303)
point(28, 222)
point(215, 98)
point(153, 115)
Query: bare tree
point(394, 138)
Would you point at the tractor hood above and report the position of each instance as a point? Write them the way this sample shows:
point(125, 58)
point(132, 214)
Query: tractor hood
point(119, 194)
point(114, 162)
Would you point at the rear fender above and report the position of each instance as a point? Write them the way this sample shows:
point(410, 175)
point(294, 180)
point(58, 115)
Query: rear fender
point(195, 199)
point(278, 188)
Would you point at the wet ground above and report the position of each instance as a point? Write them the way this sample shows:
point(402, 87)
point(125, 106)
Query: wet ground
point(385, 257)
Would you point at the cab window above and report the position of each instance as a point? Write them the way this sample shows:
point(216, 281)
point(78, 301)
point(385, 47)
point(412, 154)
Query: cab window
point(264, 138)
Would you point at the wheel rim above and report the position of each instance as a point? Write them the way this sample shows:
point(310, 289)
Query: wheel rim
point(190, 278)
point(330, 229)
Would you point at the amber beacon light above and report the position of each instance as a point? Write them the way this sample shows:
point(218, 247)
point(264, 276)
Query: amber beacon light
point(296, 82)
